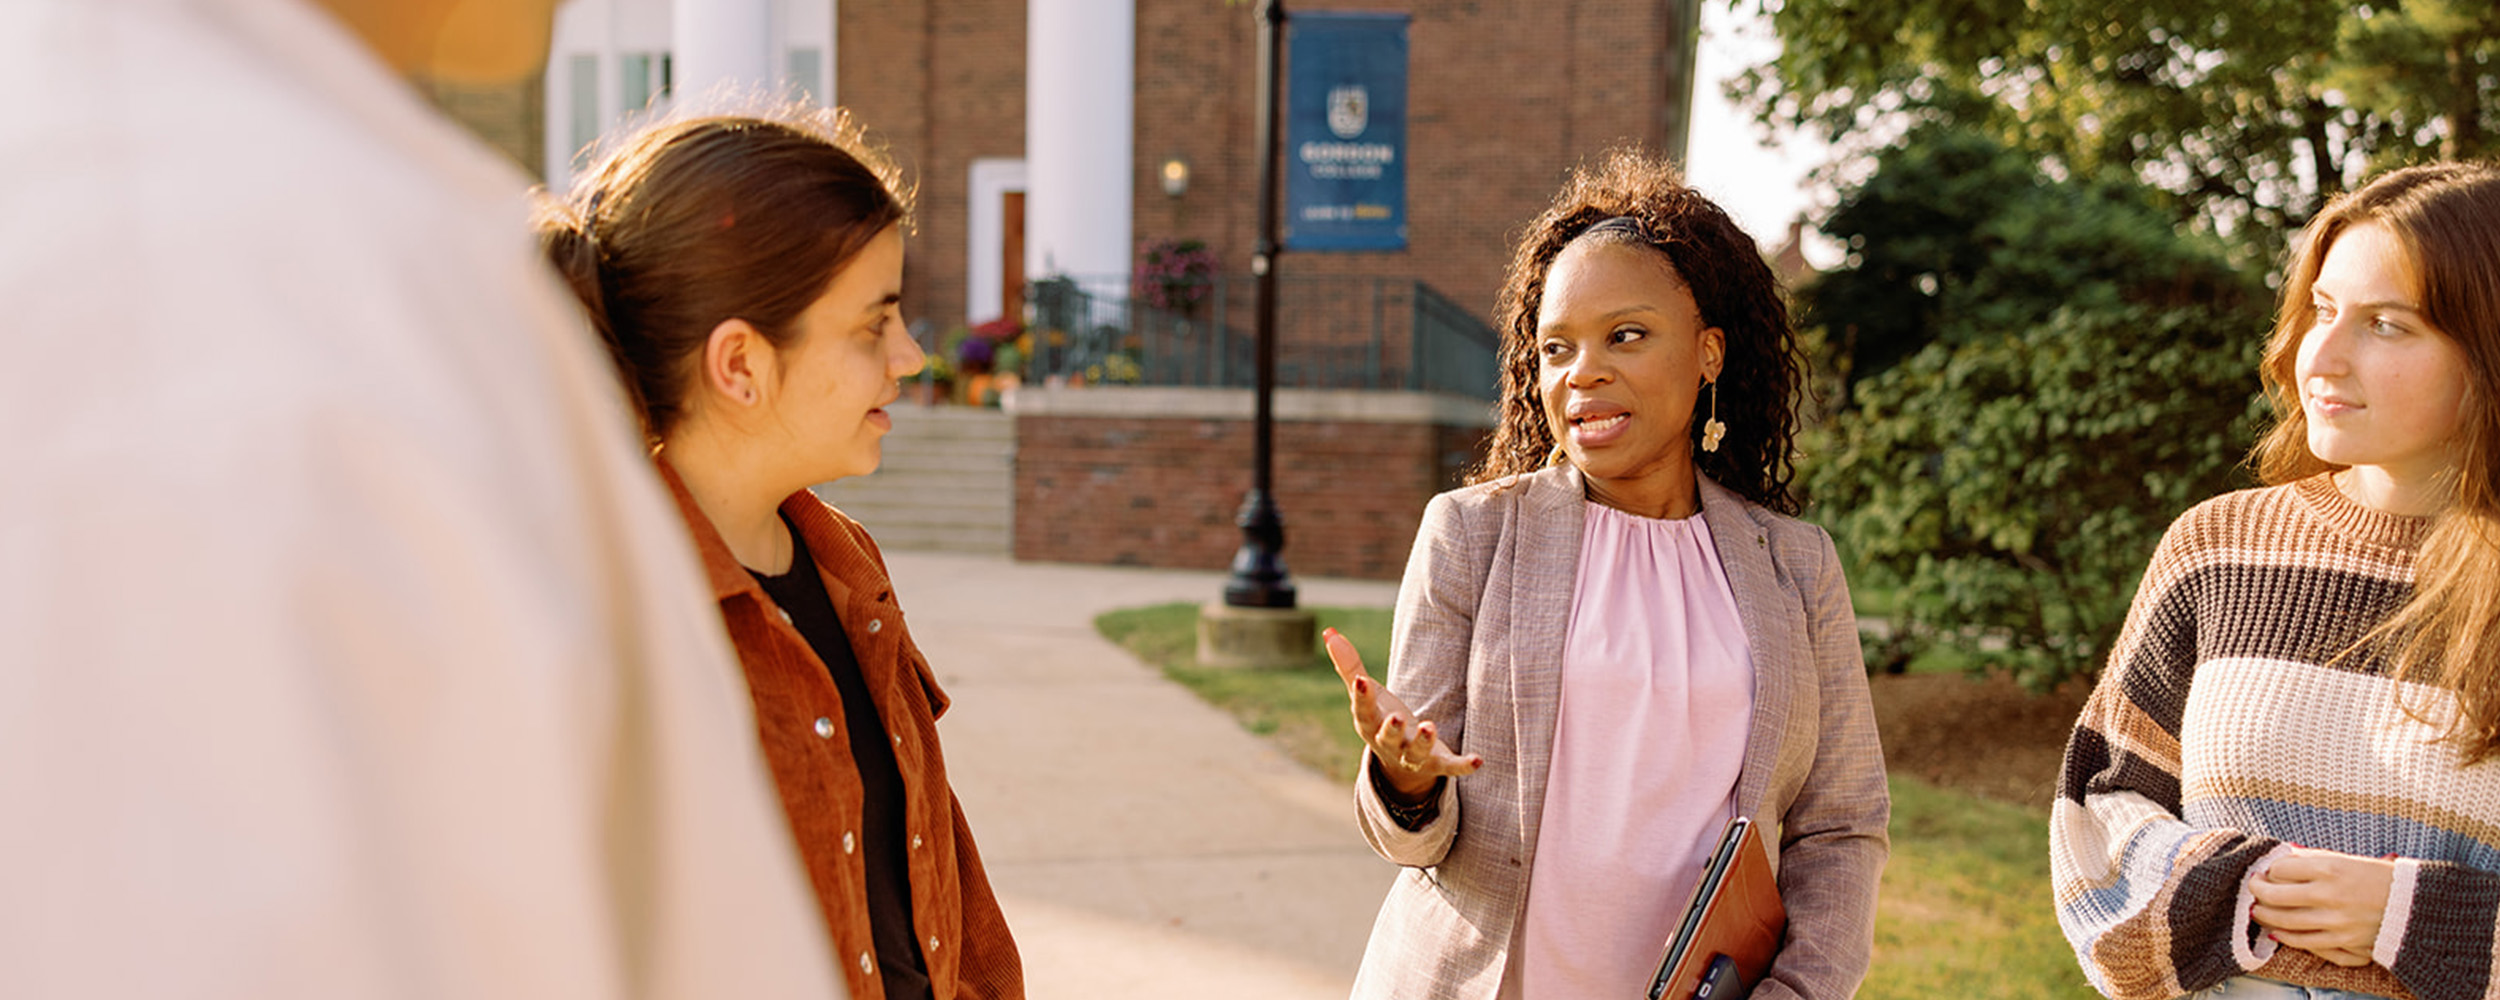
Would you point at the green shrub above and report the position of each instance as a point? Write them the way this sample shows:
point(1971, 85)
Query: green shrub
point(2071, 380)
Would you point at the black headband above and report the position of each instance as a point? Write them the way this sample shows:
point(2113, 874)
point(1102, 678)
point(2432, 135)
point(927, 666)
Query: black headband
point(1624, 224)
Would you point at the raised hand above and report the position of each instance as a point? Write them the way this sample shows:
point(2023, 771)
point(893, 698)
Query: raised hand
point(1411, 754)
point(2323, 902)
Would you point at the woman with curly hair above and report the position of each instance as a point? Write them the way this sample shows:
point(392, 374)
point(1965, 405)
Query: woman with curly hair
point(2285, 785)
point(1618, 636)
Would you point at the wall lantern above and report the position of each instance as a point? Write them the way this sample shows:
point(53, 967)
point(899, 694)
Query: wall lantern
point(1175, 177)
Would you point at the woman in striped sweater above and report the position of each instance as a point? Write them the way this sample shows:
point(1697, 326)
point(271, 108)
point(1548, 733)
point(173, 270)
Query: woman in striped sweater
point(2283, 786)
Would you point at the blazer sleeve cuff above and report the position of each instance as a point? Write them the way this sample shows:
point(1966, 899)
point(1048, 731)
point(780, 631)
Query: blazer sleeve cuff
point(1417, 848)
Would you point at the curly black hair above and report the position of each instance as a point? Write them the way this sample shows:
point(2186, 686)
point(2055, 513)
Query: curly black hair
point(1762, 378)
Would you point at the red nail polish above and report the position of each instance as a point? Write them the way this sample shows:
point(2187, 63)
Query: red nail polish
point(1362, 686)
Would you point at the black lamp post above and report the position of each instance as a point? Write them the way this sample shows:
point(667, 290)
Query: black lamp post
point(1259, 578)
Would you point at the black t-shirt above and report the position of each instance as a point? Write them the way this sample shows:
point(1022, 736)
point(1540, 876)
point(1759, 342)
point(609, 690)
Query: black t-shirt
point(802, 593)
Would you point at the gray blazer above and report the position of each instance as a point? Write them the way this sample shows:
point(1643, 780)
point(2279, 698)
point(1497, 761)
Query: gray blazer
point(1481, 619)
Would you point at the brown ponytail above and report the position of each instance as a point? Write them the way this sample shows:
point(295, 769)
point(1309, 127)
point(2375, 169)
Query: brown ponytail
point(692, 222)
point(575, 255)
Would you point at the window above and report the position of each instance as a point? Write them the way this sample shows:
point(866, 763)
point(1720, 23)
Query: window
point(585, 101)
point(805, 75)
point(633, 71)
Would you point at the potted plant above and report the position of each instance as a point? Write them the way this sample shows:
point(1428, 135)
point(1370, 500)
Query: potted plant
point(1174, 275)
point(936, 379)
point(1116, 368)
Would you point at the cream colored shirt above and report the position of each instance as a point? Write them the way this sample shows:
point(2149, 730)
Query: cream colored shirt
point(348, 645)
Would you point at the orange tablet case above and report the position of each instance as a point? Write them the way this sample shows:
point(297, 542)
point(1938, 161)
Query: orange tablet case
point(1735, 911)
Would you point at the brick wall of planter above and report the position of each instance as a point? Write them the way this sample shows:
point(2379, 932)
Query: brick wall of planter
point(1154, 477)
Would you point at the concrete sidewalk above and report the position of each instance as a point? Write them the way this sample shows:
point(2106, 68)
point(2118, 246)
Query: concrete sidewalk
point(1142, 844)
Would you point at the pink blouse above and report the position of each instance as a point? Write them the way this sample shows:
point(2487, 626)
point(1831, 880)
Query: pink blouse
point(1657, 703)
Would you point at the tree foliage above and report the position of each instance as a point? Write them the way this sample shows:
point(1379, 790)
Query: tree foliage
point(2246, 113)
point(1958, 237)
point(2072, 373)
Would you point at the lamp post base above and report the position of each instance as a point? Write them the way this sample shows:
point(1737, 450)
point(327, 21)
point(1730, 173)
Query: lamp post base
point(1259, 577)
point(1231, 636)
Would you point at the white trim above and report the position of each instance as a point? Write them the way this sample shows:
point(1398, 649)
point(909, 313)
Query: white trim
point(2397, 915)
point(1299, 405)
point(985, 236)
point(808, 24)
point(608, 30)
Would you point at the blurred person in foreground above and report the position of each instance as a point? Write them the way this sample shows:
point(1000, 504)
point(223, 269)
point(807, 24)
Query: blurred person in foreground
point(348, 646)
point(1620, 636)
point(2284, 785)
point(747, 273)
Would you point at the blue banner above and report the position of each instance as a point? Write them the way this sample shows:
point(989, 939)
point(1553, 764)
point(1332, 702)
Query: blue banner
point(1345, 132)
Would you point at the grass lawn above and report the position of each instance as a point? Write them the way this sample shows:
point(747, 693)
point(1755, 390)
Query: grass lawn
point(1303, 710)
point(1964, 910)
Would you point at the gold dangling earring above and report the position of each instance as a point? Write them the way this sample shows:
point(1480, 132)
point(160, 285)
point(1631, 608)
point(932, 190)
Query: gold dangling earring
point(1712, 431)
point(1555, 457)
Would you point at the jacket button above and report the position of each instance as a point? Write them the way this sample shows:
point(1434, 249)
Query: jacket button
point(915, 841)
point(824, 727)
point(849, 843)
point(898, 740)
point(933, 942)
point(865, 965)
point(785, 616)
point(876, 625)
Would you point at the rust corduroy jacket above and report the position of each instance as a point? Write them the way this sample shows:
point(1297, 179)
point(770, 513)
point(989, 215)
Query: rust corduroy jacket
point(963, 936)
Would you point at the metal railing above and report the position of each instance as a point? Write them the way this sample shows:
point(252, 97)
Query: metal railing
point(1333, 332)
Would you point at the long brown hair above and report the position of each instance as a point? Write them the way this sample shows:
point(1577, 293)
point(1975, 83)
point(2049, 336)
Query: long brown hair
point(2446, 216)
point(1760, 379)
point(692, 222)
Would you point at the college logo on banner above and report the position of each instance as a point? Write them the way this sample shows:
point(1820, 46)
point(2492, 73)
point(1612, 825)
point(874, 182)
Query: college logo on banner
point(1345, 132)
point(1346, 112)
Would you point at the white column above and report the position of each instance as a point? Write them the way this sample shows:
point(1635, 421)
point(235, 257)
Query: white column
point(722, 42)
point(1079, 114)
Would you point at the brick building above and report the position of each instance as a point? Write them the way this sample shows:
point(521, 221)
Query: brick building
point(1043, 137)
point(1503, 98)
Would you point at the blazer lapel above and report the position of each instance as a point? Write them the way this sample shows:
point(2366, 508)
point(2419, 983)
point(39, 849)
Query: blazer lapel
point(1770, 622)
point(1544, 568)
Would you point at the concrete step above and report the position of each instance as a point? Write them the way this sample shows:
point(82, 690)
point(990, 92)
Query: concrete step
point(932, 482)
point(921, 538)
point(924, 456)
point(972, 513)
point(946, 482)
point(902, 495)
point(899, 443)
point(957, 421)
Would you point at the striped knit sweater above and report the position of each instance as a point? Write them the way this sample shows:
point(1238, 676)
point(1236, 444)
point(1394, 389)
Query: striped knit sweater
point(2226, 727)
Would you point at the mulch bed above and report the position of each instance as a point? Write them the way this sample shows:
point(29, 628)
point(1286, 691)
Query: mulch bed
point(1983, 735)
